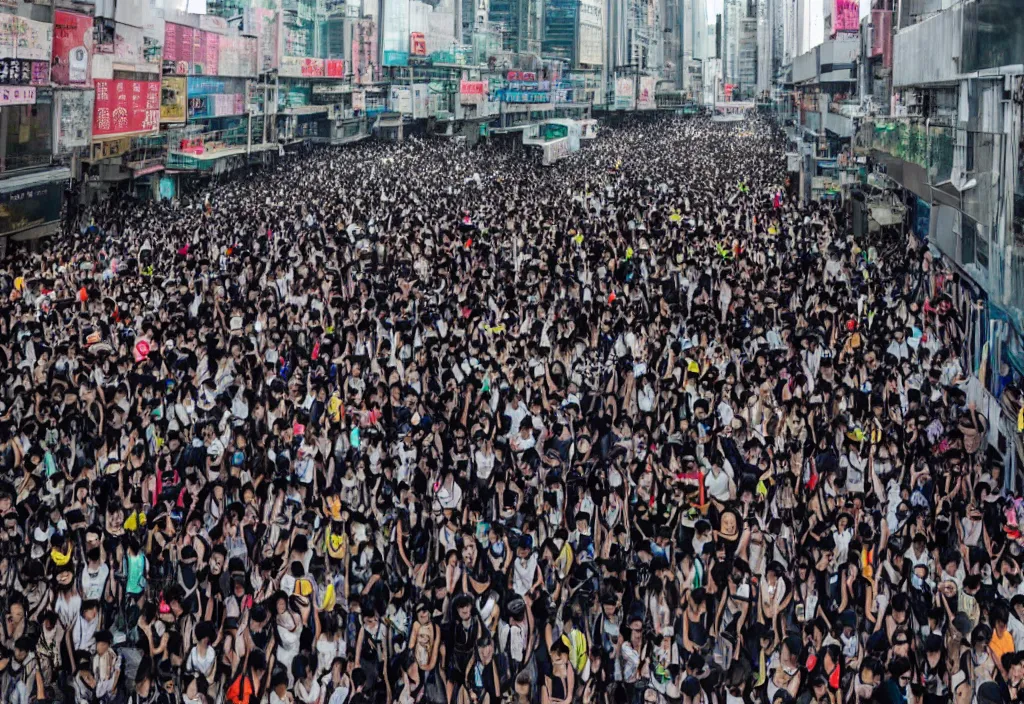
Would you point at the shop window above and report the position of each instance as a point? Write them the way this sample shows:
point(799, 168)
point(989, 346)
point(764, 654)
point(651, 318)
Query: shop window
point(28, 137)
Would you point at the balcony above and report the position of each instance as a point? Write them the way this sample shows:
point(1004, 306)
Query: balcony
point(929, 52)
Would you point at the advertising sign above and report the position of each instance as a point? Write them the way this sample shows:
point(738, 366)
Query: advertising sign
point(172, 99)
point(364, 51)
point(17, 95)
point(335, 68)
point(845, 16)
point(420, 101)
point(401, 99)
point(74, 119)
point(647, 87)
point(30, 207)
point(72, 48)
point(591, 14)
point(198, 106)
point(22, 72)
point(359, 100)
point(25, 39)
point(110, 148)
point(625, 97)
point(125, 107)
point(417, 44)
point(301, 67)
point(472, 92)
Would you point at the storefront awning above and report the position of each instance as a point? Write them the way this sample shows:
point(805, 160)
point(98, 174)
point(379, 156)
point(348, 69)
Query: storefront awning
point(885, 216)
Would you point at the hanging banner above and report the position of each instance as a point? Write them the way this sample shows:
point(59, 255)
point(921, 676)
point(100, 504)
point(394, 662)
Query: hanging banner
point(31, 206)
point(25, 39)
point(126, 107)
point(301, 67)
point(335, 68)
point(364, 52)
point(647, 87)
point(845, 16)
point(74, 119)
point(72, 48)
point(417, 44)
point(172, 99)
point(17, 95)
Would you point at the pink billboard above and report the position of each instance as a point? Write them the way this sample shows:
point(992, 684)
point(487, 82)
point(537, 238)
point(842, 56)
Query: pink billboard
point(845, 16)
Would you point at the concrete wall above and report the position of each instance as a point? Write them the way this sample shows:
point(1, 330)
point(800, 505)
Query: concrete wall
point(928, 52)
point(805, 66)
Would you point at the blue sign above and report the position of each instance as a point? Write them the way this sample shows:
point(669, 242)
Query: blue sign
point(524, 96)
point(396, 58)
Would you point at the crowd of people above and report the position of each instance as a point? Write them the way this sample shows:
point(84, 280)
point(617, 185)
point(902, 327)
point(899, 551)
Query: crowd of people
point(420, 424)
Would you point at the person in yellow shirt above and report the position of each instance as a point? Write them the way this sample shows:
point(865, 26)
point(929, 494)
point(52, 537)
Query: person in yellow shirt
point(1002, 641)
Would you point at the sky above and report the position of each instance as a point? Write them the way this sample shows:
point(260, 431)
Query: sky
point(714, 8)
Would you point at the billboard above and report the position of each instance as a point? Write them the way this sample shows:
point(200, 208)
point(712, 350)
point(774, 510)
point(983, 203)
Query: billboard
point(472, 92)
point(647, 87)
point(25, 39)
point(172, 99)
point(591, 32)
point(74, 119)
point(359, 100)
point(72, 48)
point(301, 67)
point(417, 44)
point(845, 16)
point(31, 206)
point(335, 68)
point(190, 52)
point(126, 107)
point(364, 51)
point(625, 95)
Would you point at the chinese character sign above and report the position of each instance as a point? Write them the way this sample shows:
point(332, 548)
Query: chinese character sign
point(417, 44)
point(846, 16)
point(125, 107)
